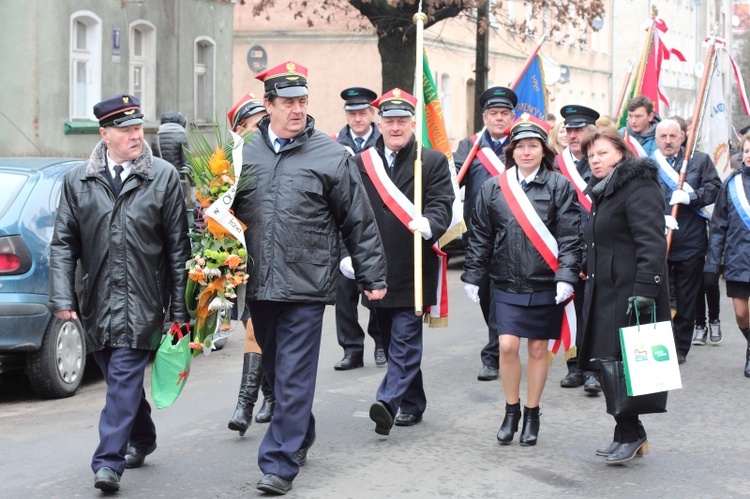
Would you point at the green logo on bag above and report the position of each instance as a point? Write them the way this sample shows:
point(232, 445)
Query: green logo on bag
point(660, 353)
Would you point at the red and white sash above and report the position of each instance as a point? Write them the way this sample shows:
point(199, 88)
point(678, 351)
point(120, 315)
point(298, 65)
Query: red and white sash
point(544, 242)
point(403, 209)
point(569, 171)
point(634, 145)
point(490, 161)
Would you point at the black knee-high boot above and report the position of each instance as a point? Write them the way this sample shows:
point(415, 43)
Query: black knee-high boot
point(530, 429)
point(251, 375)
point(269, 403)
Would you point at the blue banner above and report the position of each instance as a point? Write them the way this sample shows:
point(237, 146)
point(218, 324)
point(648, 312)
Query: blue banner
point(531, 92)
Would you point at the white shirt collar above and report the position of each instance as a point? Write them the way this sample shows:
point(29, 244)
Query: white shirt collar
point(272, 137)
point(365, 136)
point(126, 167)
point(529, 178)
point(388, 153)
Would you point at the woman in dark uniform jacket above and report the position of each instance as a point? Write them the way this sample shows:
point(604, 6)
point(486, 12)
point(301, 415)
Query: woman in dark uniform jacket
point(626, 264)
point(528, 294)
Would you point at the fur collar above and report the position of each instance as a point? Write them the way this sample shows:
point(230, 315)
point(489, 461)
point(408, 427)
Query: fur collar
point(626, 172)
point(98, 161)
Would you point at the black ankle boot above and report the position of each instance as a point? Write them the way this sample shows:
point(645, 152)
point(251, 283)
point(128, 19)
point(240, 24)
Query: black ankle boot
point(747, 360)
point(530, 425)
point(269, 403)
point(251, 374)
point(510, 423)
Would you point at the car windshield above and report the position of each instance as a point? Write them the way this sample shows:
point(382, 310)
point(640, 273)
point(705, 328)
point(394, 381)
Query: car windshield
point(10, 186)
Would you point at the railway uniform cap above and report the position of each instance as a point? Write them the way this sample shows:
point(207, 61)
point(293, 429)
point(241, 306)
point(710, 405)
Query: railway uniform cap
point(396, 102)
point(498, 97)
point(356, 98)
point(119, 111)
point(285, 80)
point(247, 106)
point(578, 116)
point(527, 126)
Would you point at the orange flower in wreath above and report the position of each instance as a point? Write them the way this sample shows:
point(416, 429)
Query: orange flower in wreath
point(218, 162)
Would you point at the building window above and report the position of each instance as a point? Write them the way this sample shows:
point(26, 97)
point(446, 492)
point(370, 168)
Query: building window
point(142, 66)
point(445, 101)
point(85, 64)
point(204, 69)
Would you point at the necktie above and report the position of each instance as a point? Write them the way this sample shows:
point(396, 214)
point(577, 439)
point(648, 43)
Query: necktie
point(358, 144)
point(280, 143)
point(671, 161)
point(576, 161)
point(118, 179)
point(523, 183)
point(391, 163)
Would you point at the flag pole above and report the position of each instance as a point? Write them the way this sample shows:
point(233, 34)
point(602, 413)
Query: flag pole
point(513, 85)
point(617, 111)
point(419, 19)
point(708, 70)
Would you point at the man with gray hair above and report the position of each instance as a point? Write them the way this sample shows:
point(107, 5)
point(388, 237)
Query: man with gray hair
point(689, 244)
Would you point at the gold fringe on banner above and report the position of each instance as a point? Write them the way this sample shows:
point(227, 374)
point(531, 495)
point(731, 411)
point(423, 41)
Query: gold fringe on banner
point(453, 233)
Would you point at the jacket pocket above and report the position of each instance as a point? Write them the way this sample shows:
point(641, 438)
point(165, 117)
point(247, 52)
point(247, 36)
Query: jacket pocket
point(309, 271)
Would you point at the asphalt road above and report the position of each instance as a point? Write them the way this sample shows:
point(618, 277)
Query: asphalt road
point(699, 448)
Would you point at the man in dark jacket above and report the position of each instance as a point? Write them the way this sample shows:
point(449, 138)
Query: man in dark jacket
point(580, 122)
point(122, 217)
point(687, 253)
point(401, 397)
point(497, 104)
point(301, 192)
point(359, 133)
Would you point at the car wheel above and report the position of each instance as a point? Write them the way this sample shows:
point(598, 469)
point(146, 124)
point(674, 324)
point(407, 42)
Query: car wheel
point(56, 370)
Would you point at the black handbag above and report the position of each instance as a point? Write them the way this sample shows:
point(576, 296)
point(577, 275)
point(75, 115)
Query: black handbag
point(619, 403)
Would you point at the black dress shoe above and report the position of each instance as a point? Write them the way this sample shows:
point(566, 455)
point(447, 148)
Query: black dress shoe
point(407, 419)
point(107, 479)
point(488, 373)
point(349, 362)
point(274, 484)
point(627, 451)
point(509, 427)
point(382, 417)
point(380, 359)
point(592, 385)
point(301, 455)
point(134, 457)
point(573, 379)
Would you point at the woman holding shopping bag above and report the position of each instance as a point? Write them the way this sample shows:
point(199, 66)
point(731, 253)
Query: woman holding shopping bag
point(626, 265)
point(529, 296)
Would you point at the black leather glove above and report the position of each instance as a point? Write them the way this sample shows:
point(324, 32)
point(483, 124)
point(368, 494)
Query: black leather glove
point(644, 304)
point(710, 279)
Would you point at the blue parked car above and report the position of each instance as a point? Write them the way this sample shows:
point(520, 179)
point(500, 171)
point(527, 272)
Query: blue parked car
point(52, 351)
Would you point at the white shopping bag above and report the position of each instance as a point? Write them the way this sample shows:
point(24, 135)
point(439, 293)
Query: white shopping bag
point(649, 358)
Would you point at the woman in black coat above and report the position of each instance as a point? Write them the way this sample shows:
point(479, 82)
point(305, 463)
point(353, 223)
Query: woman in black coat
point(527, 293)
point(626, 257)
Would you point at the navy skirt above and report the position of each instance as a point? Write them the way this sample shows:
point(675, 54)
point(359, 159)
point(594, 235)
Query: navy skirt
point(738, 289)
point(528, 315)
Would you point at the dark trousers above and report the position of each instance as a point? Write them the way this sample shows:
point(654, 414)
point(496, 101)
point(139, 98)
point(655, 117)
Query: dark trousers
point(628, 429)
point(289, 336)
point(687, 277)
point(402, 386)
point(579, 289)
point(348, 331)
point(713, 297)
point(491, 351)
point(126, 417)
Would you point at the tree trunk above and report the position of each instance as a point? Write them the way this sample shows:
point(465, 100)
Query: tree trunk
point(398, 56)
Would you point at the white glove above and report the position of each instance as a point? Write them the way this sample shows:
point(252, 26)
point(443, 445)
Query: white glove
point(422, 225)
point(679, 197)
point(564, 291)
point(670, 222)
point(345, 266)
point(472, 291)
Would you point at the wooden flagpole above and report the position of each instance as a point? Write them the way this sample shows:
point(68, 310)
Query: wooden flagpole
point(419, 19)
point(708, 70)
point(475, 147)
